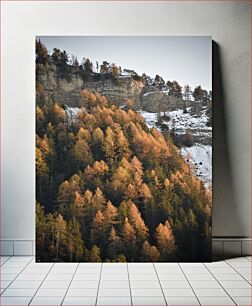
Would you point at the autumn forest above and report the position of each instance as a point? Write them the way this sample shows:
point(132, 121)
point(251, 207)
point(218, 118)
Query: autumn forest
point(108, 188)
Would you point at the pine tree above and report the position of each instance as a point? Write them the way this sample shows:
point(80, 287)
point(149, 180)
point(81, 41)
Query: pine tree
point(165, 239)
point(137, 221)
point(95, 254)
point(75, 244)
point(129, 240)
point(111, 213)
point(60, 234)
point(150, 253)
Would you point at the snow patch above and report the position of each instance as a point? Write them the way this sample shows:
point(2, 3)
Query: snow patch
point(72, 111)
point(200, 158)
point(184, 121)
point(149, 118)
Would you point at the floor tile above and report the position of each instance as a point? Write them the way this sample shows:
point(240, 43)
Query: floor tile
point(243, 300)
point(114, 269)
point(25, 284)
point(14, 264)
point(146, 292)
point(135, 270)
point(39, 265)
point(55, 284)
point(121, 276)
point(243, 270)
point(168, 270)
point(114, 284)
point(15, 300)
point(91, 264)
point(19, 292)
point(65, 265)
point(3, 259)
point(140, 264)
point(8, 276)
point(91, 277)
point(239, 291)
point(229, 276)
point(62, 270)
point(114, 292)
point(114, 264)
point(58, 277)
point(174, 284)
point(9, 270)
point(172, 276)
point(21, 258)
point(51, 292)
point(145, 284)
point(32, 270)
point(235, 284)
point(144, 277)
point(221, 300)
point(30, 276)
point(239, 264)
point(80, 300)
point(200, 276)
point(180, 300)
point(220, 270)
point(209, 292)
point(5, 283)
point(86, 284)
point(217, 264)
point(82, 292)
point(166, 264)
point(247, 277)
point(195, 270)
point(191, 264)
point(104, 300)
point(150, 300)
point(204, 284)
point(236, 259)
point(47, 300)
point(88, 270)
point(178, 292)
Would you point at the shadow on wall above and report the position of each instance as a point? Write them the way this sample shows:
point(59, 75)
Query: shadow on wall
point(225, 215)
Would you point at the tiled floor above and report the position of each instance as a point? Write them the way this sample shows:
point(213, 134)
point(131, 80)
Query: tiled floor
point(24, 282)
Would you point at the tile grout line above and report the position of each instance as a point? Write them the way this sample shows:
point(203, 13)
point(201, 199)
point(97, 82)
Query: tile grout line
point(247, 258)
point(96, 300)
point(41, 283)
point(16, 276)
point(220, 284)
point(0, 276)
point(160, 283)
point(69, 284)
point(189, 284)
point(9, 257)
point(238, 273)
point(131, 299)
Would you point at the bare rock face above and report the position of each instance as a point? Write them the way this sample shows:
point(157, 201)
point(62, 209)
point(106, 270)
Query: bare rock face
point(67, 90)
point(160, 101)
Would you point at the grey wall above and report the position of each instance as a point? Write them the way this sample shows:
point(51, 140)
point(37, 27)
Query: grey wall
point(229, 25)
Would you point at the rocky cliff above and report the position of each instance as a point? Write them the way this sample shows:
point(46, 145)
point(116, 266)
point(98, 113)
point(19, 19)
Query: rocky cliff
point(67, 90)
point(117, 89)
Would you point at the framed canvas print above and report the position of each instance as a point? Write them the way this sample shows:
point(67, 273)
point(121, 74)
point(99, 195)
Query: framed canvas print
point(123, 148)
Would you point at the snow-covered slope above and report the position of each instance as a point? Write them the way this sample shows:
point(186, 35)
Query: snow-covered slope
point(199, 155)
point(181, 121)
point(200, 158)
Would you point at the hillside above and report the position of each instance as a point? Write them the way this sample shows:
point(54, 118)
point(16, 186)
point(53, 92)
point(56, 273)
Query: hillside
point(108, 186)
point(186, 115)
